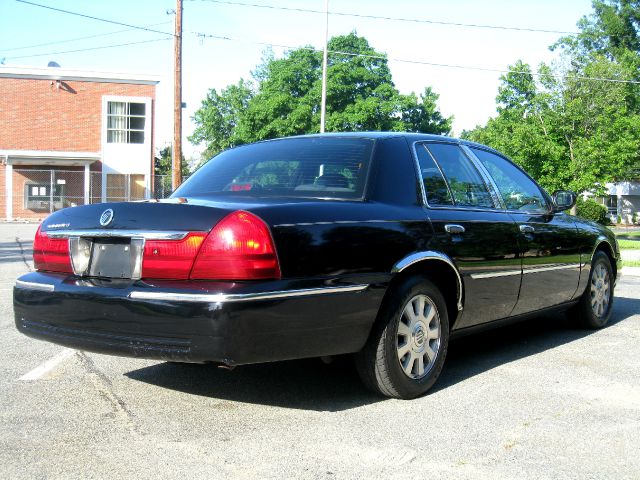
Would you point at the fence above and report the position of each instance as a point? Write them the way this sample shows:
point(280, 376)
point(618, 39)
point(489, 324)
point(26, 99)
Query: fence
point(38, 192)
point(162, 185)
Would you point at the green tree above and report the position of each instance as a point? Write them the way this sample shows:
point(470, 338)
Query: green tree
point(162, 162)
point(218, 119)
point(284, 99)
point(612, 31)
point(570, 129)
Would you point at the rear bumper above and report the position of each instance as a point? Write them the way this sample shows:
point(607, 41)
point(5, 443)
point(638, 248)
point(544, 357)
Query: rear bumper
point(228, 323)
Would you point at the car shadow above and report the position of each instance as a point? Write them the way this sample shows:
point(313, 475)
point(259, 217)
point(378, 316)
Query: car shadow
point(305, 384)
point(310, 384)
point(475, 354)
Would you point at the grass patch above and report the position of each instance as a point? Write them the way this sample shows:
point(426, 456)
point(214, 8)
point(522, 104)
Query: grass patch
point(628, 235)
point(629, 244)
point(631, 263)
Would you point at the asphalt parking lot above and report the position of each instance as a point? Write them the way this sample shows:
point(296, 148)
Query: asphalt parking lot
point(538, 400)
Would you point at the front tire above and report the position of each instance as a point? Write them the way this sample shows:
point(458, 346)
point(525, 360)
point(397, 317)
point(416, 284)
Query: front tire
point(406, 350)
point(594, 309)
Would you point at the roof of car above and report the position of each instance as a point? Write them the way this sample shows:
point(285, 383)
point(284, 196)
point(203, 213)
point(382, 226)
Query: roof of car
point(376, 135)
point(380, 135)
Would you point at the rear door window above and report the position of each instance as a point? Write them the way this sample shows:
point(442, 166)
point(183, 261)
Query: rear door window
point(463, 179)
point(435, 186)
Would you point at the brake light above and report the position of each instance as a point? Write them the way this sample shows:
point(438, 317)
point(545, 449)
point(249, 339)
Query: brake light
point(51, 254)
point(170, 258)
point(239, 247)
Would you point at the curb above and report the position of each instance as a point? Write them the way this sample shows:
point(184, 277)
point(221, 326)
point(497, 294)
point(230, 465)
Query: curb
point(630, 271)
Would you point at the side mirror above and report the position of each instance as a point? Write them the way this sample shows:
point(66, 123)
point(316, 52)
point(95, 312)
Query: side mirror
point(563, 200)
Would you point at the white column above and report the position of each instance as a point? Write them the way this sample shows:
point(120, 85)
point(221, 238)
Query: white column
point(8, 176)
point(87, 183)
point(104, 185)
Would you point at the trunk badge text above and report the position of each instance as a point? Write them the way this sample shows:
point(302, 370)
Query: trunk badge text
point(106, 218)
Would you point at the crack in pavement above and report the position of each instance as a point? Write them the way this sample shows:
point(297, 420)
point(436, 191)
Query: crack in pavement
point(104, 386)
point(22, 255)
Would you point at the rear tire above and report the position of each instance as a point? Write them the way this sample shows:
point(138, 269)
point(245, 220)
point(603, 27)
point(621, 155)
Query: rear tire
point(594, 308)
point(407, 347)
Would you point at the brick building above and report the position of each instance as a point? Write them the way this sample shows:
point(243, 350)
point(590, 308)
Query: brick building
point(73, 137)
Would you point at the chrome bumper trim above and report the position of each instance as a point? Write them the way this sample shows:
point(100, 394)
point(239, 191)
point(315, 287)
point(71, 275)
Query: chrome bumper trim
point(147, 235)
point(43, 287)
point(240, 297)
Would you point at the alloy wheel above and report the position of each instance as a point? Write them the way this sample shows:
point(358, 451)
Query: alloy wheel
point(600, 290)
point(418, 337)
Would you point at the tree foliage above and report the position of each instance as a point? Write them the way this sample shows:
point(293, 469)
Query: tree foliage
point(162, 163)
point(568, 128)
point(283, 99)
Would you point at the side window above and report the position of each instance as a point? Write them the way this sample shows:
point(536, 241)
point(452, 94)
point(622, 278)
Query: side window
point(436, 188)
point(518, 191)
point(465, 183)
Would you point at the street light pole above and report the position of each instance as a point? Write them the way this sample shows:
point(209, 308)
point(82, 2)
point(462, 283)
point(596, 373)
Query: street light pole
point(176, 177)
point(323, 102)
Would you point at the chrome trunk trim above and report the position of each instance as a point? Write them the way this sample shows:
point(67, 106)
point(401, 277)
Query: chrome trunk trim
point(147, 235)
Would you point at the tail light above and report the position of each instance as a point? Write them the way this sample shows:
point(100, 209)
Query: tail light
point(51, 254)
point(170, 258)
point(239, 247)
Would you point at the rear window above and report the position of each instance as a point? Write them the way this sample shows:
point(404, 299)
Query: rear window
point(296, 167)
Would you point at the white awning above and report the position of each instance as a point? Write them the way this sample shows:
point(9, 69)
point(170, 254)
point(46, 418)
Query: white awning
point(48, 158)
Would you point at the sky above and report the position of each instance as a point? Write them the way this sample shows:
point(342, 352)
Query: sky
point(466, 93)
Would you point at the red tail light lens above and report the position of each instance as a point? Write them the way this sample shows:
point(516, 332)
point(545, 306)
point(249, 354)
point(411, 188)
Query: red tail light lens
point(170, 258)
point(51, 254)
point(239, 247)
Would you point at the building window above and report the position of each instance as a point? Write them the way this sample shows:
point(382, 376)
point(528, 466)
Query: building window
point(38, 196)
point(125, 122)
point(125, 187)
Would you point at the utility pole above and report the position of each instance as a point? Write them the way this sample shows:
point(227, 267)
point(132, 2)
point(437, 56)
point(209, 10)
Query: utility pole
point(323, 102)
point(176, 177)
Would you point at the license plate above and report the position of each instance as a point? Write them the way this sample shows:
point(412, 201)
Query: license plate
point(116, 259)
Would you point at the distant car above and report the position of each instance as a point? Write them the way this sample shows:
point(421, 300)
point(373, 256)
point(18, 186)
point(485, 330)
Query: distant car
point(382, 245)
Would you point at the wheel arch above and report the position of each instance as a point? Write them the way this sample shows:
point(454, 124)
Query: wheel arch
point(441, 270)
point(604, 245)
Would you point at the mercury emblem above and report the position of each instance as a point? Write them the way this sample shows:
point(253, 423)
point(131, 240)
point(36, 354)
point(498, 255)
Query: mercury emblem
point(106, 217)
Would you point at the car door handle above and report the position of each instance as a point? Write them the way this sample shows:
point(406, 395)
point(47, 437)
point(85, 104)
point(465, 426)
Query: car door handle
point(453, 229)
point(527, 229)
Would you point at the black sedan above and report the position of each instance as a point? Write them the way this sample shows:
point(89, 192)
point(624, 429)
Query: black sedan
point(381, 245)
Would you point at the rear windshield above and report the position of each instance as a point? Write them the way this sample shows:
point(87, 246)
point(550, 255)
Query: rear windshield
point(295, 167)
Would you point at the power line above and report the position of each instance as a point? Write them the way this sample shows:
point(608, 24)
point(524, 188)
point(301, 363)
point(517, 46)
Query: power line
point(396, 19)
point(417, 62)
point(268, 44)
point(89, 49)
point(136, 27)
point(76, 39)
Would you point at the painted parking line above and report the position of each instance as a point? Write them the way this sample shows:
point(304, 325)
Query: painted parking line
point(41, 370)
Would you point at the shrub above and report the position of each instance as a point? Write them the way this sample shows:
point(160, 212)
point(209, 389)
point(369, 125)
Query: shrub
point(592, 210)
